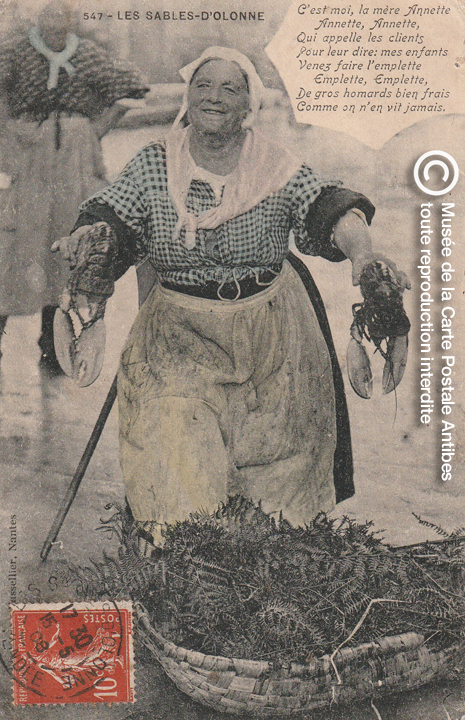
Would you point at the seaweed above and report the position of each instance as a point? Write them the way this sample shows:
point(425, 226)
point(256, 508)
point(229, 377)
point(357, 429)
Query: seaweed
point(240, 582)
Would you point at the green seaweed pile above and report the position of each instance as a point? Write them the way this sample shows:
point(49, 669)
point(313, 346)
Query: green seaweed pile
point(241, 583)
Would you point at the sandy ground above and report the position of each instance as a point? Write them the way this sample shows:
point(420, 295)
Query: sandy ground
point(45, 423)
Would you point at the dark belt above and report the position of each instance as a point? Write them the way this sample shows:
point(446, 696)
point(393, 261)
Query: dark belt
point(234, 290)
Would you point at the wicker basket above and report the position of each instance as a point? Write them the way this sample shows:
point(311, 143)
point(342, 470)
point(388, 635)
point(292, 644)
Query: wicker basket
point(239, 687)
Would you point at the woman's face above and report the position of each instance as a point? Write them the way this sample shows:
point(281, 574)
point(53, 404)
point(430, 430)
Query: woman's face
point(218, 98)
point(55, 22)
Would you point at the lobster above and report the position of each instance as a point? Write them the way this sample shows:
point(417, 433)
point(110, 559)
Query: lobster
point(382, 320)
point(78, 327)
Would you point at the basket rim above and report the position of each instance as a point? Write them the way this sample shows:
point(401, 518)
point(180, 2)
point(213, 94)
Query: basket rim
point(407, 641)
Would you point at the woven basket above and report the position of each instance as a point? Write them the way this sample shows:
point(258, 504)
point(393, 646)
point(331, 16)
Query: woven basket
point(239, 687)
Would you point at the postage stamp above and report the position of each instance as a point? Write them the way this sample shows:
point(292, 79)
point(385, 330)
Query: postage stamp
point(72, 653)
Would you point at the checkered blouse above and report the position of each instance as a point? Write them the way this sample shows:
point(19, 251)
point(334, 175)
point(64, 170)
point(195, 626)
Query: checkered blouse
point(254, 241)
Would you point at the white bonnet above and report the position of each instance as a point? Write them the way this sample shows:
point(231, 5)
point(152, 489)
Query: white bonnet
point(256, 88)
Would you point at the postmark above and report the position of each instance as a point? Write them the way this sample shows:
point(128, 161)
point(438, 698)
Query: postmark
point(72, 653)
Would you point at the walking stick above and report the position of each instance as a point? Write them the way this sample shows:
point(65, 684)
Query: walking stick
point(80, 471)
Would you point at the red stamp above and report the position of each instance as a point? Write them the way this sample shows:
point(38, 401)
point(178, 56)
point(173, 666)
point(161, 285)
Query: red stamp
point(72, 653)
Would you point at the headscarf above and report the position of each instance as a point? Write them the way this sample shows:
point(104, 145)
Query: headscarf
point(256, 88)
point(56, 60)
point(263, 168)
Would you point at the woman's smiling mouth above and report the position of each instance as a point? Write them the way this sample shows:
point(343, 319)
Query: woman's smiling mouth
point(213, 111)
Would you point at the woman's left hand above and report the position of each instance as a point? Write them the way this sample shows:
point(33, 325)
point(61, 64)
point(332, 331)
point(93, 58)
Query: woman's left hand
point(351, 235)
point(360, 263)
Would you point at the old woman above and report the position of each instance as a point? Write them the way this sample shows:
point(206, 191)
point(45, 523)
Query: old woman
point(228, 381)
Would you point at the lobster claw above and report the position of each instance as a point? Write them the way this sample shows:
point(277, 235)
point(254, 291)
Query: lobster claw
point(397, 352)
point(81, 357)
point(359, 368)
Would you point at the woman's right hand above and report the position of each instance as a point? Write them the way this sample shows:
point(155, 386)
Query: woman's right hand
point(67, 246)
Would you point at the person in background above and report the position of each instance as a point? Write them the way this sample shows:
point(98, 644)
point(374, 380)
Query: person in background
point(59, 94)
